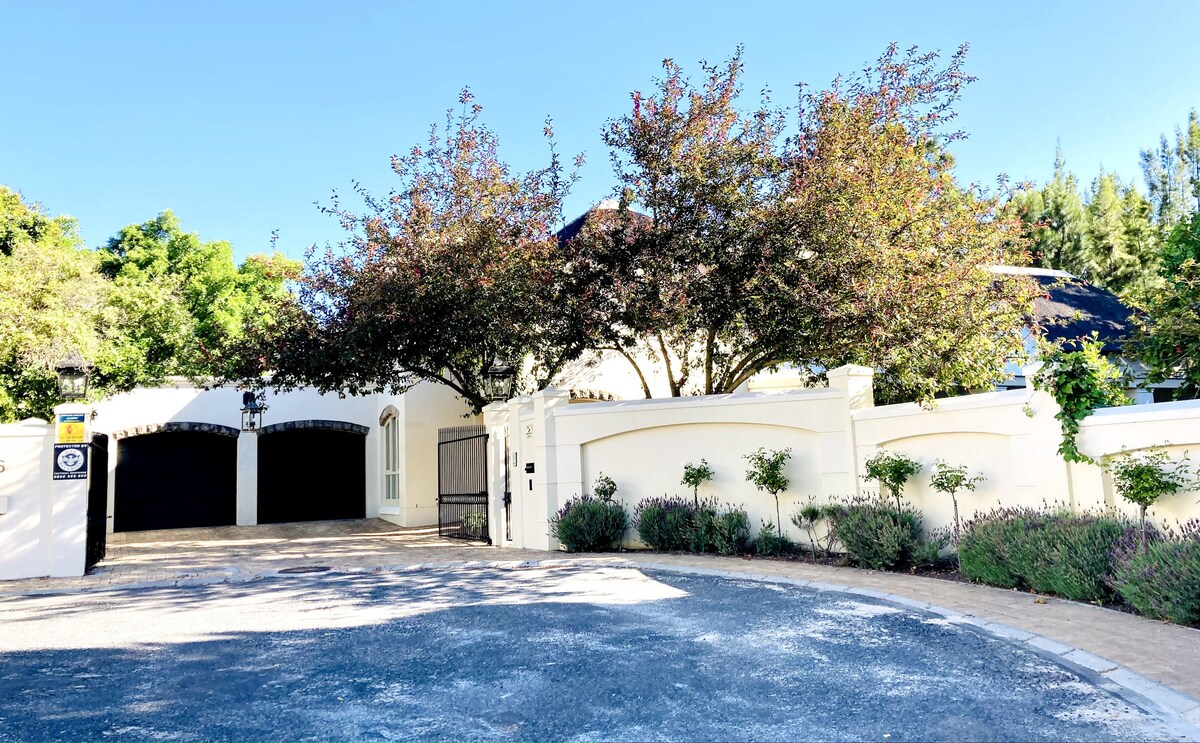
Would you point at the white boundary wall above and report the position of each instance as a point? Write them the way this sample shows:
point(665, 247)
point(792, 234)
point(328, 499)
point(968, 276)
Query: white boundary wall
point(43, 524)
point(1011, 438)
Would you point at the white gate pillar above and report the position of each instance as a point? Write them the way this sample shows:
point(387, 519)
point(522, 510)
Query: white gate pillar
point(545, 498)
point(247, 478)
point(68, 505)
point(495, 422)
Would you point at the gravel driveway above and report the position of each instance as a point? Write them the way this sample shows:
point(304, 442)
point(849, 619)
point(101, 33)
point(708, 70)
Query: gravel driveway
point(568, 653)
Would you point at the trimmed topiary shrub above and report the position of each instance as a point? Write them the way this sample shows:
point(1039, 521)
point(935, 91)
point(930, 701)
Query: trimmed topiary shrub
point(1160, 578)
point(1049, 551)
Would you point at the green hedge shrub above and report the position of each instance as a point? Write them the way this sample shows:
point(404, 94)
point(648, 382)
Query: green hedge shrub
point(770, 542)
point(1048, 551)
point(589, 524)
point(1162, 578)
point(676, 524)
point(725, 532)
point(666, 524)
point(878, 537)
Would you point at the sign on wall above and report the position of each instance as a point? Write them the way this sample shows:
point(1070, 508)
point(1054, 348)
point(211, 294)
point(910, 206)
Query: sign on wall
point(70, 462)
point(70, 428)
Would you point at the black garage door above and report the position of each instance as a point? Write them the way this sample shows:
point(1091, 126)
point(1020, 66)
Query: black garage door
point(176, 479)
point(311, 474)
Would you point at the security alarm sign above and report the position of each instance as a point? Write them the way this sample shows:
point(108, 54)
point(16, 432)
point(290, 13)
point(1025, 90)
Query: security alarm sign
point(70, 428)
point(70, 462)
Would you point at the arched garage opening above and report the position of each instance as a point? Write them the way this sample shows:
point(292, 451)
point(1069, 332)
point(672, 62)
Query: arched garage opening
point(175, 476)
point(312, 471)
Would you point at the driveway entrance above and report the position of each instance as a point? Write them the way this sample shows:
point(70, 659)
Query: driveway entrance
point(215, 552)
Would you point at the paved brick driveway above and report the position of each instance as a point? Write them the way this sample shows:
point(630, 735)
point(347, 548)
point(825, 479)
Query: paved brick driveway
point(1166, 653)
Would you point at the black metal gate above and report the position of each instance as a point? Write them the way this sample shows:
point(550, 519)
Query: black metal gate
point(462, 483)
point(507, 491)
point(97, 508)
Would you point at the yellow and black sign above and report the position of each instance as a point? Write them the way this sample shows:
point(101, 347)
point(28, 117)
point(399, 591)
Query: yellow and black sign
point(70, 429)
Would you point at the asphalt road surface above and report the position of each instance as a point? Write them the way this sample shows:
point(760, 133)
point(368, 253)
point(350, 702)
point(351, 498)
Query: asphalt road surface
point(538, 654)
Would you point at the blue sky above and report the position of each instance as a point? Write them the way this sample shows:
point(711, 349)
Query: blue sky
point(240, 115)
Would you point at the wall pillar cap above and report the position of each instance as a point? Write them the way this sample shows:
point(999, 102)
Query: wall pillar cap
point(851, 370)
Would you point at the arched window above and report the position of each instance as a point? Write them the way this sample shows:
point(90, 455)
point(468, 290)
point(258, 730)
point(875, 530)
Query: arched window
point(391, 456)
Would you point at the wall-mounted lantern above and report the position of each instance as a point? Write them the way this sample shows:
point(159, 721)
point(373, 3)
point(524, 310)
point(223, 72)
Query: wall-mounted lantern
point(252, 412)
point(74, 374)
point(499, 380)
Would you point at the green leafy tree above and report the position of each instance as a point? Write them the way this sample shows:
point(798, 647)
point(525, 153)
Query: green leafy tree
point(1141, 242)
point(190, 306)
point(1142, 478)
point(53, 302)
point(455, 267)
point(766, 472)
point(1065, 217)
point(1167, 340)
point(892, 471)
point(1109, 260)
point(952, 479)
point(849, 243)
point(1167, 183)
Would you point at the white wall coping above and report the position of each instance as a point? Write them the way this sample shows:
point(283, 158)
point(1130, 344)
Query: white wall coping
point(26, 428)
point(978, 401)
point(699, 401)
point(1151, 412)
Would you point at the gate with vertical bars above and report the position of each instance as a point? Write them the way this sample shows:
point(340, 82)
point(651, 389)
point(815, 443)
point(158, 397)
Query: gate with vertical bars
point(462, 483)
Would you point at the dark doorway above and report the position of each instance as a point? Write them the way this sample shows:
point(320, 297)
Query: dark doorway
point(311, 474)
point(174, 480)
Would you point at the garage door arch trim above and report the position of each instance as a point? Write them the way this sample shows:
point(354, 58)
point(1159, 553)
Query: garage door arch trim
point(176, 426)
point(328, 425)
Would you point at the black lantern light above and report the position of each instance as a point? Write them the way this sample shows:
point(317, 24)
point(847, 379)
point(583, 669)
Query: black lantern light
point(74, 373)
point(252, 412)
point(499, 378)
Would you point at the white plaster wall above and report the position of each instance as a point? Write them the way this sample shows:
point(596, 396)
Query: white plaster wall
point(1008, 437)
point(642, 445)
point(649, 462)
point(26, 549)
point(1174, 426)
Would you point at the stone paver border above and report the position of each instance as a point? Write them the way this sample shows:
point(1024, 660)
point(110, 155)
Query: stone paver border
point(1180, 712)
